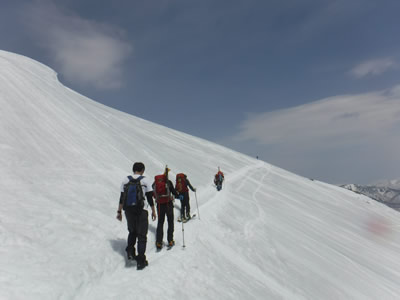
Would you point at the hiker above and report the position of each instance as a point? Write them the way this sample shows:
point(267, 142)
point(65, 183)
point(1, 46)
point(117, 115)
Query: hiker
point(219, 179)
point(181, 187)
point(163, 191)
point(133, 190)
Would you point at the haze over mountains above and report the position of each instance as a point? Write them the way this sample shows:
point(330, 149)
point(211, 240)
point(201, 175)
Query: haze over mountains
point(385, 191)
point(269, 234)
point(394, 183)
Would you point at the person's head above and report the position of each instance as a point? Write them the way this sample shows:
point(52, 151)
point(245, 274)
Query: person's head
point(138, 167)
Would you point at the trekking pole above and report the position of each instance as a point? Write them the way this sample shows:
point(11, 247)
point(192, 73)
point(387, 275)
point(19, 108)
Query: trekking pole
point(183, 235)
point(198, 211)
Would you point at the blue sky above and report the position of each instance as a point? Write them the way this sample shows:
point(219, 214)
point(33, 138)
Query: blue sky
point(311, 86)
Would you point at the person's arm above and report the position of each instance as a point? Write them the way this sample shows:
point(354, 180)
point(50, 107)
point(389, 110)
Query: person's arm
point(189, 185)
point(149, 196)
point(172, 189)
point(121, 199)
point(149, 192)
point(119, 211)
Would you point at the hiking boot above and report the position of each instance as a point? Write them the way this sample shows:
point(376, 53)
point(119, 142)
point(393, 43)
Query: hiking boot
point(158, 245)
point(142, 264)
point(188, 217)
point(130, 253)
point(171, 243)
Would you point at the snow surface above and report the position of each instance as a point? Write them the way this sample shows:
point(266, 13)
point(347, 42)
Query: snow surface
point(269, 234)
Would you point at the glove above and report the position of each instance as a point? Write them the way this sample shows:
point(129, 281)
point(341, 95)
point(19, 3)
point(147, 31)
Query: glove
point(180, 197)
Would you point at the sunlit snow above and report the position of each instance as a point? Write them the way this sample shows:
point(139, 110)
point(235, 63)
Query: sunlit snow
point(269, 234)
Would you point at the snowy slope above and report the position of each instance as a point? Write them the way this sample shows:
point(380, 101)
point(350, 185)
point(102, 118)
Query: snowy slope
point(269, 234)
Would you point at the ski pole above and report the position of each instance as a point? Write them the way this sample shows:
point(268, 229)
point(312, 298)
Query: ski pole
point(183, 234)
point(197, 205)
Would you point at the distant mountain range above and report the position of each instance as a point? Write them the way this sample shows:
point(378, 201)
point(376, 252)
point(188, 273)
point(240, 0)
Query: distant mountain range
point(387, 192)
point(394, 183)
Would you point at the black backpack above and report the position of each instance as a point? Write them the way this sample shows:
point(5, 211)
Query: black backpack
point(133, 193)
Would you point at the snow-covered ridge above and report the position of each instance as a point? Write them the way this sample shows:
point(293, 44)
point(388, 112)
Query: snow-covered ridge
point(269, 234)
point(11, 61)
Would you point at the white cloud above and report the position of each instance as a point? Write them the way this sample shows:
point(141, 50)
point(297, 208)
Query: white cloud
point(338, 119)
point(84, 51)
point(373, 67)
point(333, 139)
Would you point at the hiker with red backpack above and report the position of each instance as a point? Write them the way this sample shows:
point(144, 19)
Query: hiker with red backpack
point(182, 187)
point(133, 191)
point(219, 179)
point(163, 191)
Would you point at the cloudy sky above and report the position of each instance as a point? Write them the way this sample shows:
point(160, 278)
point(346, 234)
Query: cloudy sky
point(312, 86)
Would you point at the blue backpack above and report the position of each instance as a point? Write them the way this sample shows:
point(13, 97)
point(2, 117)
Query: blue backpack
point(133, 193)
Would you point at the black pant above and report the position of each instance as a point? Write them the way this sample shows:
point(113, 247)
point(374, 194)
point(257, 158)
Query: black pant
point(165, 209)
point(185, 205)
point(138, 224)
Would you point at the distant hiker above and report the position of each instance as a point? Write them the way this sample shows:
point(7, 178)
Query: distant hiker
point(219, 179)
point(163, 191)
point(133, 190)
point(181, 187)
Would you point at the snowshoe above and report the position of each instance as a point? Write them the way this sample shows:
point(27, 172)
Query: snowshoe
point(189, 218)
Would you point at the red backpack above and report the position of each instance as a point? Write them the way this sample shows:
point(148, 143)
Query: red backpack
point(219, 177)
point(161, 189)
point(181, 186)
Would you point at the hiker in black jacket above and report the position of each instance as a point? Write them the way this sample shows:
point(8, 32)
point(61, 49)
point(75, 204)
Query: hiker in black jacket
point(137, 216)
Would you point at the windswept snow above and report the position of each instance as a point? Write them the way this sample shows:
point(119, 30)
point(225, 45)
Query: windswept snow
point(269, 234)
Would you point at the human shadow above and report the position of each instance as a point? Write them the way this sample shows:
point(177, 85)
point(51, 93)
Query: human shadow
point(153, 229)
point(119, 246)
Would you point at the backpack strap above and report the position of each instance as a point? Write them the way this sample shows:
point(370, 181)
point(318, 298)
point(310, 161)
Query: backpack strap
point(139, 178)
